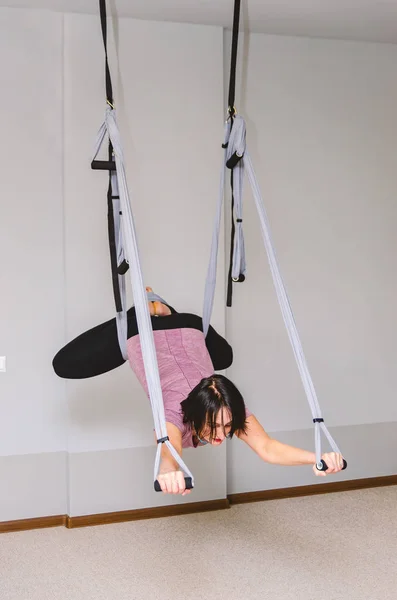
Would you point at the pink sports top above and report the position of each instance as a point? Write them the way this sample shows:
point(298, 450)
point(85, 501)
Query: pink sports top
point(183, 361)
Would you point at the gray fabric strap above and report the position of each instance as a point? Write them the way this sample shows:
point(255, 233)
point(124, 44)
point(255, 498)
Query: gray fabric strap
point(287, 313)
point(234, 141)
point(210, 283)
point(237, 144)
point(152, 297)
point(131, 252)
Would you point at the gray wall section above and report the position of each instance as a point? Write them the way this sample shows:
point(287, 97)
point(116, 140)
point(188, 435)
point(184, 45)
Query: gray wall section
point(321, 134)
point(33, 416)
point(117, 480)
point(33, 485)
point(321, 120)
point(41, 485)
point(370, 451)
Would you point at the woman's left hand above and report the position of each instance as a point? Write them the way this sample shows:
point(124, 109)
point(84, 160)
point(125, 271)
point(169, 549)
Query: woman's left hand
point(334, 462)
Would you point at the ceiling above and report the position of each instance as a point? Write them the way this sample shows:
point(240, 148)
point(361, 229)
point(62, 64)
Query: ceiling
point(365, 20)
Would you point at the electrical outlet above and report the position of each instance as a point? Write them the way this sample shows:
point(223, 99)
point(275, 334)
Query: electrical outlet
point(2, 364)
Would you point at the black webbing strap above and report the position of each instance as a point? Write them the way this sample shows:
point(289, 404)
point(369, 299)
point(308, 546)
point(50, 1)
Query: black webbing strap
point(113, 250)
point(109, 166)
point(232, 112)
point(229, 294)
point(109, 89)
point(233, 61)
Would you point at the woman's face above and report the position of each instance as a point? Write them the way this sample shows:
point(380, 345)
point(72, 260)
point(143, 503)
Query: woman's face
point(223, 428)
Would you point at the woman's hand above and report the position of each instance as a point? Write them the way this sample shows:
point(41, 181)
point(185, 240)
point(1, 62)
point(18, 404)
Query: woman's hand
point(173, 482)
point(334, 462)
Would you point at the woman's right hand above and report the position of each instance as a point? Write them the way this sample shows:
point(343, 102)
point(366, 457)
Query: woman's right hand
point(173, 482)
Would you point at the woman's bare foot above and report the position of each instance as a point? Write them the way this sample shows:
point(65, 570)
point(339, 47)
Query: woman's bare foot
point(157, 309)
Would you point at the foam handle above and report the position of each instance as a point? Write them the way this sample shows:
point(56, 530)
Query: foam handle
point(324, 466)
point(103, 165)
point(188, 483)
point(233, 160)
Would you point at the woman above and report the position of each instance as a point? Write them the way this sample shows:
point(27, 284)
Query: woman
point(201, 407)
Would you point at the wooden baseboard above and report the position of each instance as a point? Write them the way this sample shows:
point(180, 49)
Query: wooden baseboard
point(196, 507)
point(312, 490)
point(27, 524)
point(147, 513)
point(114, 517)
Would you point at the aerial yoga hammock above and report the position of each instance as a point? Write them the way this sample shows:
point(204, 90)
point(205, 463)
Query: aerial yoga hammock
point(106, 344)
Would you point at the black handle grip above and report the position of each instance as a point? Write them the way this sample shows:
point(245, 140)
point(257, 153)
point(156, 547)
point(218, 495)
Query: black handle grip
point(324, 466)
point(103, 165)
point(233, 160)
point(123, 268)
point(188, 483)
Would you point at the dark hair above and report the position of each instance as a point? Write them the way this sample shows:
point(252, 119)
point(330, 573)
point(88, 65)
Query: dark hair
point(205, 401)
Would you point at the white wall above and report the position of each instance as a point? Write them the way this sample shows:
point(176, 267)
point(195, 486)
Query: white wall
point(32, 321)
point(56, 279)
point(33, 409)
point(321, 130)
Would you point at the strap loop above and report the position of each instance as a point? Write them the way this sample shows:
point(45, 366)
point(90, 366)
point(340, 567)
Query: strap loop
point(163, 439)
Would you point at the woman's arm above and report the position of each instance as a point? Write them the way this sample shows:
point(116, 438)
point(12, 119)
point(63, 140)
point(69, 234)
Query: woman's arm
point(170, 477)
point(277, 453)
